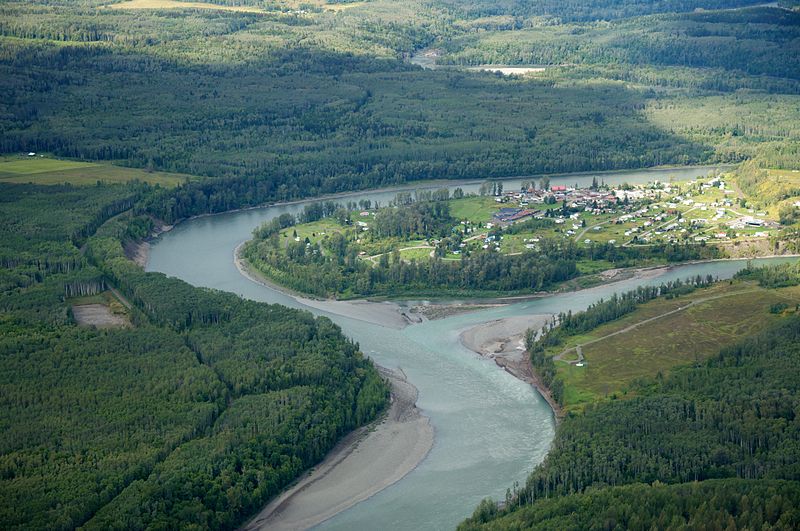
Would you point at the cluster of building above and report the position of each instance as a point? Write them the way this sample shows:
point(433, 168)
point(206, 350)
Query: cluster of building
point(655, 210)
point(510, 215)
point(595, 201)
point(574, 197)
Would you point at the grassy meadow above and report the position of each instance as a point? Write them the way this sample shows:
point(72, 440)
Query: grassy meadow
point(175, 4)
point(47, 171)
point(702, 323)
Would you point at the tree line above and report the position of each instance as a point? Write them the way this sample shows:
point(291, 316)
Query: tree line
point(723, 426)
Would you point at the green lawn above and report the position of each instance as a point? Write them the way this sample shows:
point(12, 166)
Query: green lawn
point(31, 165)
point(478, 209)
point(314, 231)
point(416, 254)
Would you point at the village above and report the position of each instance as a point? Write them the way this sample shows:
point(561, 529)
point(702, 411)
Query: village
point(700, 211)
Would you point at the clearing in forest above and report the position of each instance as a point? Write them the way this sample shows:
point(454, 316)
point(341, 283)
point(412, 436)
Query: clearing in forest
point(104, 310)
point(174, 4)
point(663, 334)
point(47, 171)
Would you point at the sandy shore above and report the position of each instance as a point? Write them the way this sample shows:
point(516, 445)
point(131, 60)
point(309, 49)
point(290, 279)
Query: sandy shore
point(501, 337)
point(503, 340)
point(139, 252)
point(388, 314)
point(365, 462)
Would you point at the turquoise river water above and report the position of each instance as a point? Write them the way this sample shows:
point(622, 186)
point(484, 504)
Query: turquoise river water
point(490, 428)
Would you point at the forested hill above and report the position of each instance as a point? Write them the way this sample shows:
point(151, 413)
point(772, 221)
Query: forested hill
point(720, 434)
point(194, 414)
point(288, 101)
point(583, 11)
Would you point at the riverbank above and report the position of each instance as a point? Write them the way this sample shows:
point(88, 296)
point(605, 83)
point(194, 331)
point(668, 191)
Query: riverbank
point(388, 314)
point(365, 462)
point(139, 251)
point(503, 340)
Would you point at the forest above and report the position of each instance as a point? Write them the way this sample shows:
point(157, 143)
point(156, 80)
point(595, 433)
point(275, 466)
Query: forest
point(229, 96)
point(343, 275)
point(201, 412)
point(709, 429)
point(208, 405)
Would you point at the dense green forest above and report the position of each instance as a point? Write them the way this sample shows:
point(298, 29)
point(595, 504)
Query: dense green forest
point(208, 405)
point(198, 414)
point(344, 275)
point(730, 419)
point(773, 277)
point(758, 41)
point(285, 103)
point(712, 504)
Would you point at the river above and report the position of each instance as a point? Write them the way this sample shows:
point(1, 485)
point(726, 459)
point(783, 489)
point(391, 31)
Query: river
point(490, 428)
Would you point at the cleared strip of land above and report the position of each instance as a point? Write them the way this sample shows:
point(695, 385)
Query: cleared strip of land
point(46, 171)
point(663, 334)
point(174, 4)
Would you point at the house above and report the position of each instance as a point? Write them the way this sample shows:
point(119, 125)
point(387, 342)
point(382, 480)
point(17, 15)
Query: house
point(753, 222)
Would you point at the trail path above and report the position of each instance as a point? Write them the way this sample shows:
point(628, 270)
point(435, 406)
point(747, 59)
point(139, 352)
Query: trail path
point(121, 298)
point(587, 229)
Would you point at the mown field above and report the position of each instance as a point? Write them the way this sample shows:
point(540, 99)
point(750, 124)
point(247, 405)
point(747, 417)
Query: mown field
point(47, 171)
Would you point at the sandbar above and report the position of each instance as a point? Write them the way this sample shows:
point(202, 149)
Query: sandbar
point(503, 340)
point(364, 463)
point(388, 314)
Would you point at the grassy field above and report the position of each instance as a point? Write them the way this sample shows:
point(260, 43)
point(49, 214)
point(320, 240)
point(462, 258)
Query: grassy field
point(781, 184)
point(416, 254)
point(38, 170)
point(785, 177)
point(719, 316)
point(314, 231)
point(478, 209)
